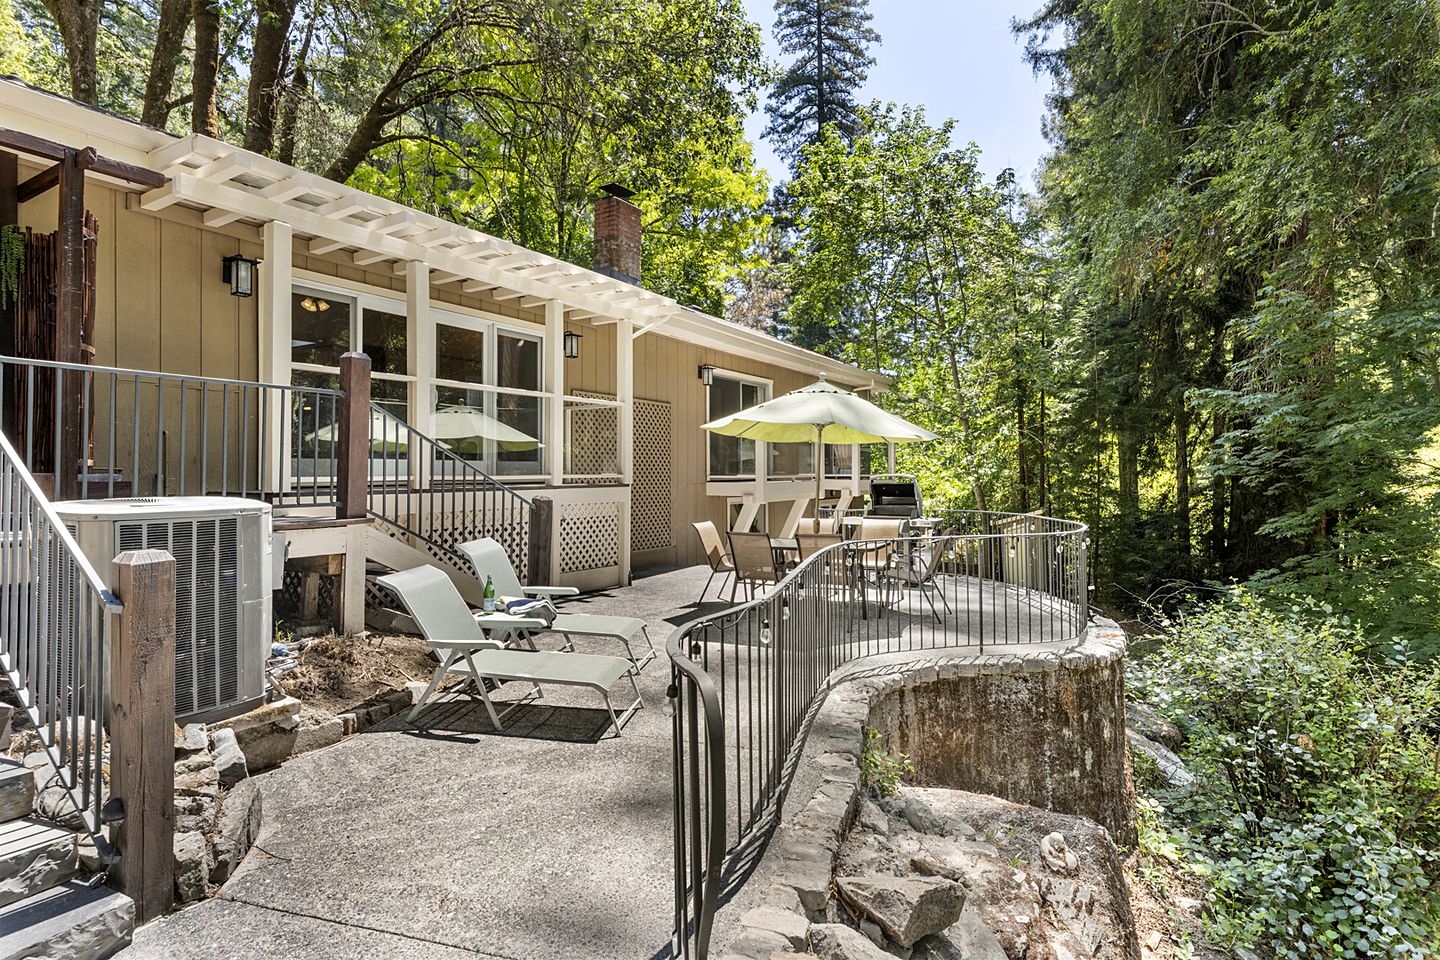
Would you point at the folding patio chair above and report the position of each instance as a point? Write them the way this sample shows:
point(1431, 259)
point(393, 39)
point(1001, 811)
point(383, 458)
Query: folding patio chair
point(754, 557)
point(489, 559)
point(715, 555)
point(467, 646)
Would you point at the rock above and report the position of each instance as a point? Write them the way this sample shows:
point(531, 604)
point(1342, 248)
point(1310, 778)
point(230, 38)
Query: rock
point(956, 827)
point(189, 739)
point(969, 938)
point(1172, 768)
point(54, 803)
point(229, 760)
point(759, 944)
point(192, 866)
point(1146, 721)
point(873, 819)
point(204, 782)
point(193, 763)
point(239, 824)
point(314, 736)
point(196, 813)
point(835, 941)
point(906, 908)
point(785, 923)
point(267, 734)
point(872, 932)
point(85, 852)
point(6, 712)
point(921, 818)
point(1057, 854)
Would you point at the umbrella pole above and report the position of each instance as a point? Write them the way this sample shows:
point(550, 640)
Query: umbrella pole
point(819, 466)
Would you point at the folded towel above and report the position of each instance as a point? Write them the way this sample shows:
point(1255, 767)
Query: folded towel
point(541, 609)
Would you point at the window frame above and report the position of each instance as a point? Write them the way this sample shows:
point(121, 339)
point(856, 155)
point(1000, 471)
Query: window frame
point(768, 386)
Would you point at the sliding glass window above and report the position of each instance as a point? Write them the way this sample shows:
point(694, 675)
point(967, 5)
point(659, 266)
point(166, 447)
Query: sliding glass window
point(489, 406)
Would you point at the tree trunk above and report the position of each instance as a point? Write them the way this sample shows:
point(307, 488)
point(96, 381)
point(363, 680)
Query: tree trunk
point(272, 30)
point(1129, 471)
point(1182, 474)
point(204, 117)
point(1217, 499)
point(298, 90)
point(169, 47)
point(1022, 449)
point(79, 25)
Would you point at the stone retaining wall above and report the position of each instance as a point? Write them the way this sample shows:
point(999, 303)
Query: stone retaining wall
point(1066, 708)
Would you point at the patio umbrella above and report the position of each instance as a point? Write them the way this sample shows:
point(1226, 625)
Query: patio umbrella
point(385, 436)
point(821, 412)
point(466, 427)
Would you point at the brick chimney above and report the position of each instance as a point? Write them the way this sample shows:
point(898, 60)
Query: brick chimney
point(617, 234)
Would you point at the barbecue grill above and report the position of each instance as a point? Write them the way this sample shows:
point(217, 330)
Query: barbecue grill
point(895, 496)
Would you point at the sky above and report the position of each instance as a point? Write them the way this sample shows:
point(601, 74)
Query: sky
point(957, 58)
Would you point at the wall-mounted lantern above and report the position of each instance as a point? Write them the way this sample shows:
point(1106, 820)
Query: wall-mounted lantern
point(572, 344)
point(239, 273)
point(707, 374)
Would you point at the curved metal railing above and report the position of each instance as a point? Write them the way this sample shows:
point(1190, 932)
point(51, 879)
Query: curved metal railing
point(744, 679)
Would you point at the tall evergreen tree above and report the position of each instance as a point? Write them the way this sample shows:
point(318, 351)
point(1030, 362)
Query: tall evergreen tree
point(830, 41)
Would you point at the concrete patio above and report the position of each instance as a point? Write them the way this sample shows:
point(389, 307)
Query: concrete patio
point(550, 839)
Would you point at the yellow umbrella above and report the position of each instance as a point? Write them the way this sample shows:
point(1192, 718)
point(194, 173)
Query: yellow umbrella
point(823, 413)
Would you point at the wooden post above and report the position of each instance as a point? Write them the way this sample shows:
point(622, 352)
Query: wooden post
point(142, 728)
point(353, 457)
point(70, 315)
point(9, 214)
point(542, 521)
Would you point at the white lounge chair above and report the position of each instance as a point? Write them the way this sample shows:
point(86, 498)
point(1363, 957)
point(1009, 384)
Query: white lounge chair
point(489, 559)
point(467, 646)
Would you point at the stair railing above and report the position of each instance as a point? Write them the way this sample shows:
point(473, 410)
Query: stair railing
point(53, 609)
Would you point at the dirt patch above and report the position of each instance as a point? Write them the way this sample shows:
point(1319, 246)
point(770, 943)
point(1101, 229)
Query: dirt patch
point(334, 673)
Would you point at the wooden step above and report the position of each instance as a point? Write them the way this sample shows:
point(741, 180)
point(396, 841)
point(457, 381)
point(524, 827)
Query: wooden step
point(68, 921)
point(35, 855)
point(17, 790)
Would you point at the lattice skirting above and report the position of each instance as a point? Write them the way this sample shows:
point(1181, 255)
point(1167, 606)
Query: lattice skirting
point(453, 528)
point(589, 536)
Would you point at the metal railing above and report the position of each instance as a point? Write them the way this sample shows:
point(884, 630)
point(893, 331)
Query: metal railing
point(437, 497)
point(53, 608)
point(133, 433)
point(744, 681)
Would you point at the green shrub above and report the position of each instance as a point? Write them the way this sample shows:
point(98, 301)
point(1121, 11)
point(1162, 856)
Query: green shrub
point(1317, 801)
point(880, 770)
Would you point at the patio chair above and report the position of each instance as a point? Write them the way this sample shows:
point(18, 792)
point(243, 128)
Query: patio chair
point(834, 570)
point(828, 525)
point(489, 559)
point(754, 557)
point(715, 555)
point(467, 646)
point(918, 573)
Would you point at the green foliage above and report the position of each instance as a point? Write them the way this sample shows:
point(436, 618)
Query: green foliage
point(830, 41)
point(1317, 778)
point(881, 771)
point(12, 258)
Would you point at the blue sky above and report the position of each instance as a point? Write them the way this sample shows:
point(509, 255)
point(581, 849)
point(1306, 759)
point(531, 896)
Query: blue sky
point(958, 59)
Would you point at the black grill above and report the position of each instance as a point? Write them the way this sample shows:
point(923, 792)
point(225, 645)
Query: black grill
point(896, 497)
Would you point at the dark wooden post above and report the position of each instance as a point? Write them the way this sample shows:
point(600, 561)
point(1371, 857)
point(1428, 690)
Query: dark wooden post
point(542, 521)
point(142, 728)
point(352, 473)
point(70, 315)
point(9, 214)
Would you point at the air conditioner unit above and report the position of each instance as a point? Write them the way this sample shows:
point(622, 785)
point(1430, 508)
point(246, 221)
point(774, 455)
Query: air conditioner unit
point(223, 627)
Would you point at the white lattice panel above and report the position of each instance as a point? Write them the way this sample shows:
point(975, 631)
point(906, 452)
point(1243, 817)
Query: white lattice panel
point(592, 436)
point(650, 498)
point(589, 536)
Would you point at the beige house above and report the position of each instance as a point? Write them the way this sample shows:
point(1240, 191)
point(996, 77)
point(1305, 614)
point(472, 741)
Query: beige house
point(575, 384)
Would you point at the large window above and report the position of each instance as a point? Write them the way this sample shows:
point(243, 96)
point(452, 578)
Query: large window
point(489, 407)
point(733, 456)
point(325, 324)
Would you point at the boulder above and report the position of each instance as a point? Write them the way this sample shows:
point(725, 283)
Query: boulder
point(921, 818)
point(785, 923)
point(196, 813)
point(906, 908)
point(189, 739)
point(873, 819)
point(239, 824)
point(1171, 767)
point(1057, 854)
point(192, 866)
point(229, 759)
point(969, 938)
point(835, 941)
point(1146, 721)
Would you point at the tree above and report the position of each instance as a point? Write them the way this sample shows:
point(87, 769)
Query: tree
point(830, 41)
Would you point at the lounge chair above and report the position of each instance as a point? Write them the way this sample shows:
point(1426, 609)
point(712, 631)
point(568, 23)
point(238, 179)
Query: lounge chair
point(467, 646)
point(489, 559)
point(918, 571)
point(715, 555)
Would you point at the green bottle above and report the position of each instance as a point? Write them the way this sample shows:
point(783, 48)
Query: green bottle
point(488, 601)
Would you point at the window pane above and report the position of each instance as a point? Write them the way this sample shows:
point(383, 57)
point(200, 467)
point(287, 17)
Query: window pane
point(517, 362)
point(319, 329)
point(392, 395)
point(459, 354)
point(514, 457)
point(384, 335)
point(313, 424)
point(501, 432)
point(732, 456)
point(791, 459)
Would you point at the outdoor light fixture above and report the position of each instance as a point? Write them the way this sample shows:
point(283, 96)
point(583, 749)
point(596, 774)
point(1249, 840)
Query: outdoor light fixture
point(572, 344)
point(707, 374)
point(314, 305)
point(239, 272)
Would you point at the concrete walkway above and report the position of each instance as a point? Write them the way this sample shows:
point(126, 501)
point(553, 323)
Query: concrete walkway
point(550, 840)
